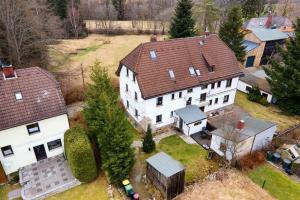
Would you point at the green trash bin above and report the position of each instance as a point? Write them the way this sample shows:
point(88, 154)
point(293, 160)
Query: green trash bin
point(269, 156)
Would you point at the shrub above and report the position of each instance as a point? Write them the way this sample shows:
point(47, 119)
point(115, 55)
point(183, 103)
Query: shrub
point(252, 160)
point(148, 143)
point(264, 102)
point(80, 154)
point(254, 94)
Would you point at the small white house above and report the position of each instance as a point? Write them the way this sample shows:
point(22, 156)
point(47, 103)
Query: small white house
point(190, 120)
point(159, 77)
point(256, 78)
point(250, 135)
point(33, 117)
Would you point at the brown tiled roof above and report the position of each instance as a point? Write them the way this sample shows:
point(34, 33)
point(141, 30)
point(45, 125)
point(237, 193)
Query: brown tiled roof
point(42, 98)
point(179, 55)
point(261, 83)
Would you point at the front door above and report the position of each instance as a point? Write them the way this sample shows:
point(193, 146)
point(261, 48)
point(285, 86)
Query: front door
point(180, 124)
point(40, 152)
point(250, 61)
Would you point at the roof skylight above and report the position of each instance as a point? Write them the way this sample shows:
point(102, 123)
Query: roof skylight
point(192, 71)
point(171, 74)
point(153, 54)
point(18, 96)
point(198, 72)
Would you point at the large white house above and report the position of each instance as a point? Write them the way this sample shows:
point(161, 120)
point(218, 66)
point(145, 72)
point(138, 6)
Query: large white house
point(159, 78)
point(33, 117)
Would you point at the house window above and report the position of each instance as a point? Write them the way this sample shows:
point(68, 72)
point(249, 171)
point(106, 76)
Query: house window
point(18, 96)
point(127, 104)
point(135, 96)
point(203, 87)
point(210, 102)
point(180, 94)
point(171, 114)
point(33, 128)
point(189, 101)
point(158, 118)
point(127, 72)
point(54, 144)
point(228, 82)
point(173, 96)
point(133, 77)
point(219, 84)
point(203, 97)
point(159, 101)
point(226, 99)
point(136, 113)
point(7, 151)
point(126, 88)
point(248, 89)
point(197, 123)
point(213, 86)
point(223, 147)
point(216, 100)
point(190, 90)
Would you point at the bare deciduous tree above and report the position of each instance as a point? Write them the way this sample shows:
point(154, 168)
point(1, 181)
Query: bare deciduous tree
point(74, 17)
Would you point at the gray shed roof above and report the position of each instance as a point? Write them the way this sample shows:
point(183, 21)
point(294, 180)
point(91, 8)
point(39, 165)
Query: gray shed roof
point(190, 114)
point(264, 34)
point(249, 45)
point(252, 127)
point(165, 164)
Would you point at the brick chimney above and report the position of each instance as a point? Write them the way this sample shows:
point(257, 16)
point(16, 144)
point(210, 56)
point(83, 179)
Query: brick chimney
point(269, 20)
point(206, 32)
point(241, 124)
point(153, 38)
point(8, 71)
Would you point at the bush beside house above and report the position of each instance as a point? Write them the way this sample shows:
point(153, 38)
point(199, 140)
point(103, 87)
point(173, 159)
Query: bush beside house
point(80, 154)
point(148, 142)
point(255, 96)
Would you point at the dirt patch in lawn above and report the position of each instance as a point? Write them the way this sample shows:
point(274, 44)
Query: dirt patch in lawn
point(228, 185)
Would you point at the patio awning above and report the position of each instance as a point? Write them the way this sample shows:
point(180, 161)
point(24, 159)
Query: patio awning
point(190, 114)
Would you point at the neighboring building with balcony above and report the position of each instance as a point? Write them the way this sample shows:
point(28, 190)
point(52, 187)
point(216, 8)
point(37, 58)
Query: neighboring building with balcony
point(33, 117)
point(159, 79)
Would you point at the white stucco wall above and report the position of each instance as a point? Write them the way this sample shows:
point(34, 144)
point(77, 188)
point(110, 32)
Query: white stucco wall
point(242, 87)
point(264, 138)
point(148, 108)
point(22, 143)
point(242, 148)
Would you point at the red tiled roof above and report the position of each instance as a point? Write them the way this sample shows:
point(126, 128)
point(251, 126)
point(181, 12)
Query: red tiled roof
point(179, 55)
point(42, 98)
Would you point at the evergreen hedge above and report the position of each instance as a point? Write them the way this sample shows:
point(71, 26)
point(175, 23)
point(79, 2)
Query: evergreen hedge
point(80, 154)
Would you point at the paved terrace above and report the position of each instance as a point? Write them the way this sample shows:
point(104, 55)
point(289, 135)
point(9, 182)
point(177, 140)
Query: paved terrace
point(46, 177)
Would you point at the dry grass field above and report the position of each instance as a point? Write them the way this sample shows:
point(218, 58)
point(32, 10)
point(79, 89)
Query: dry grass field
point(68, 55)
point(228, 185)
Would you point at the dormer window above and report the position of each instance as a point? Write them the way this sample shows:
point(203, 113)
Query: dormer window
point(153, 54)
point(18, 96)
point(8, 72)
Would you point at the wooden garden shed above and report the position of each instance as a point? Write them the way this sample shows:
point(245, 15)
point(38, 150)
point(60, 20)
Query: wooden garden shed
point(166, 174)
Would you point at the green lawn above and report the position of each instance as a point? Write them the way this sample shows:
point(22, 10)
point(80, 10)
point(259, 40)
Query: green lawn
point(91, 191)
point(277, 184)
point(136, 135)
point(271, 113)
point(193, 156)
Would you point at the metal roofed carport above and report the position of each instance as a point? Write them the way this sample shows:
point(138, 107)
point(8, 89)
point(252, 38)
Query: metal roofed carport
point(166, 174)
point(190, 114)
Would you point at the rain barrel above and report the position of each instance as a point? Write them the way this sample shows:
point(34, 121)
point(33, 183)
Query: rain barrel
point(269, 156)
point(276, 157)
point(286, 164)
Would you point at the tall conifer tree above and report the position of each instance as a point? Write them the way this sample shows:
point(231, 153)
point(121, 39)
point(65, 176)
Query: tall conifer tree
point(182, 23)
point(230, 32)
point(285, 74)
